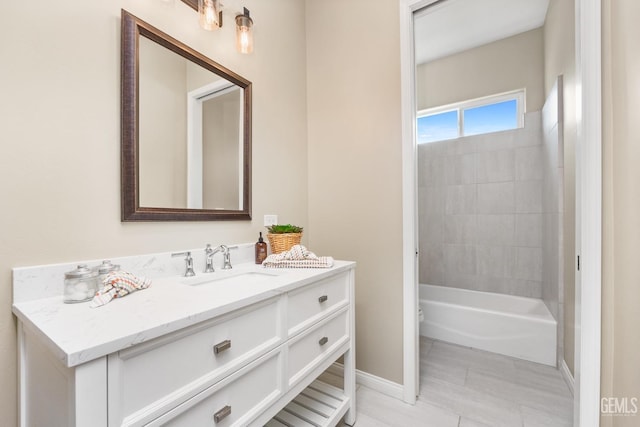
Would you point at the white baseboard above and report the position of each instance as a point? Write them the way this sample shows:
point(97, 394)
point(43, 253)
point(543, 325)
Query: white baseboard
point(371, 381)
point(566, 374)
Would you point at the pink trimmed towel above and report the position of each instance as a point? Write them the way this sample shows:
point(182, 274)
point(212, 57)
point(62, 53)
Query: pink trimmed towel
point(118, 284)
point(297, 257)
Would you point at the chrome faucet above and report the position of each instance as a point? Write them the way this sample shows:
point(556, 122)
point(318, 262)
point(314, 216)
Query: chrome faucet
point(209, 257)
point(188, 261)
point(226, 258)
point(208, 253)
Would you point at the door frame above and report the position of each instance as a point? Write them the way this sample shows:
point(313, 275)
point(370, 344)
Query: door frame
point(588, 212)
point(588, 207)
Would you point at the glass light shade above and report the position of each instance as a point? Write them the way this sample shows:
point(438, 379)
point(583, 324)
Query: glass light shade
point(209, 13)
point(244, 34)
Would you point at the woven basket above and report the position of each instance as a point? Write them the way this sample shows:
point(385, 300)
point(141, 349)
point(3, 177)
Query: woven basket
point(283, 241)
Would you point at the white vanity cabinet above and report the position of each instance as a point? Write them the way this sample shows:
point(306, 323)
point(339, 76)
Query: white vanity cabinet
point(239, 368)
point(149, 379)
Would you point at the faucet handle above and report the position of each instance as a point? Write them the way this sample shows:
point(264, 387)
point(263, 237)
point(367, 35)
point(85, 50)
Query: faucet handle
point(226, 258)
point(186, 254)
point(188, 261)
point(208, 258)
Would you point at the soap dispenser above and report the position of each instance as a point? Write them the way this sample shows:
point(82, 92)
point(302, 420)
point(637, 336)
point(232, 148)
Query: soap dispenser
point(261, 250)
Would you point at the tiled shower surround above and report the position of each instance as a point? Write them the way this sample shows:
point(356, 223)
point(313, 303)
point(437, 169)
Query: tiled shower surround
point(481, 211)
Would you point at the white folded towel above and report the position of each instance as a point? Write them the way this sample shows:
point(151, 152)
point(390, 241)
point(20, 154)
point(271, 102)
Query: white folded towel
point(116, 285)
point(297, 257)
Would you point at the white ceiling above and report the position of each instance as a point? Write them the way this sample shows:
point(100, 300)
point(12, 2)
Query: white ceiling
point(453, 26)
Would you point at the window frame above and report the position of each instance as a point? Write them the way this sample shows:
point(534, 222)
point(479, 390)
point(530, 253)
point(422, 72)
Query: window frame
point(518, 95)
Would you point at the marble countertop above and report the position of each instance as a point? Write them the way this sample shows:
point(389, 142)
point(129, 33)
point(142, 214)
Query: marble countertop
point(76, 333)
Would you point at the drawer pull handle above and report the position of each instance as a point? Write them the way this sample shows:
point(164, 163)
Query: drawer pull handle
point(224, 345)
point(323, 340)
point(323, 298)
point(222, 414)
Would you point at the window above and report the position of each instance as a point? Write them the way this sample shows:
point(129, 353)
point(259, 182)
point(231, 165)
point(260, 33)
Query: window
point(474, 117)
point(437, 127)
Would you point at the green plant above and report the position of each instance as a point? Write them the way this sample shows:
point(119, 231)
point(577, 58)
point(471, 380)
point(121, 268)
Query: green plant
point(284, 228)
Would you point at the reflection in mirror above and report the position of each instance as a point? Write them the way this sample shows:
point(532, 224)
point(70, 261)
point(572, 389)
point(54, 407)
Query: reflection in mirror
point(187, 156)
point(215, 157)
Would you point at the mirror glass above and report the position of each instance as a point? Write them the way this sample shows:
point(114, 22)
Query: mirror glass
point(186, 131)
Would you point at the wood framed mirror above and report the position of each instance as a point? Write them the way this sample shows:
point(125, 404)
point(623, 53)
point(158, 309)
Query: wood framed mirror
point(186, 131)
point(192, 3)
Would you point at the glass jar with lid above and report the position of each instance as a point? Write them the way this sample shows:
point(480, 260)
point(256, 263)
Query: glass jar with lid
point(80, 284)
point(103, 269)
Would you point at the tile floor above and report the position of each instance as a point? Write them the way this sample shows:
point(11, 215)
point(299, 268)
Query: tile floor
point(464, 387)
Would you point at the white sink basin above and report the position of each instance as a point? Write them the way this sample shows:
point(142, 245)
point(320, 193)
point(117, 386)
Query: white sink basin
point(231, 278)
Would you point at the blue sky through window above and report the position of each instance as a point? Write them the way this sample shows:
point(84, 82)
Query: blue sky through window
point(438, 127)
point(491, 118)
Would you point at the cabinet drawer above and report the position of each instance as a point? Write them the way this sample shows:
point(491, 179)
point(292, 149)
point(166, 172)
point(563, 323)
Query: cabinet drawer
point(143, 380)
point(234, 402)
point(309, 304)
point(309, 348)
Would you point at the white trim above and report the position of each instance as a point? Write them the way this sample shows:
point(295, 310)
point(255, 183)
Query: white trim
point(386, 387)
point(589, 204)
point(410, 358)
point(22, 379)
point(410, 330)
point(194, 152)
point(518, 95)
point(568, 378)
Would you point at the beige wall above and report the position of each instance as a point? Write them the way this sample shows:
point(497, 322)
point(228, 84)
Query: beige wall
point(559, 59)
point(355, 163)
point(508, 64)
point(621, 205)
point(60, 158)
point(607, 340)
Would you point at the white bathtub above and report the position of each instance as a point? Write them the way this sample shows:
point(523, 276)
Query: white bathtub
point(514, 326)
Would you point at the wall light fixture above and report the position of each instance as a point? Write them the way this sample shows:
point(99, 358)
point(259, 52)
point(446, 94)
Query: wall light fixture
point(244, 32)
point(210, 14)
